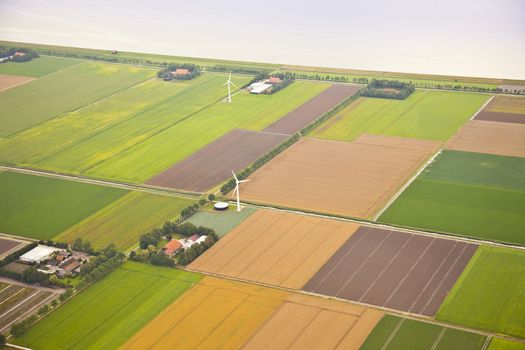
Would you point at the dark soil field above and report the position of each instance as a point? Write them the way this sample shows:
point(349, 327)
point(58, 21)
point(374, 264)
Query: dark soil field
point(213, 164)
point(311, 110)
point(393, 269)
point(7, 244)
point(501, 117)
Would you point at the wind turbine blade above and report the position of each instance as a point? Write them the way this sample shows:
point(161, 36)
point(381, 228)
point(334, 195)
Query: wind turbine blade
point(233, 83)
point(243, 181)
point(234, 191)
point(235, 177)
point(226, 83)
point(230, 78)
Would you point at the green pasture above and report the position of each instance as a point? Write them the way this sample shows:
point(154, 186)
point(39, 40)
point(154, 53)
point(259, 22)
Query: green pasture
point(108, 313)
point(172, 145)
point(37, 67)
point(221, 221)
point(502, 344)
point(123, 221)
point(469, 194)
point(66, 90)
point(395, 333)
point(42, 207)
point(431, 115)
point(490, 293)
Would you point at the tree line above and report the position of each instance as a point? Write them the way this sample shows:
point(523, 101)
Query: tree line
point(392, 89)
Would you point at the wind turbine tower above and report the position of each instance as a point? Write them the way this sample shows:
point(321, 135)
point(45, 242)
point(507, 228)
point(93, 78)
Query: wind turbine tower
point(236, 190)
point(229, 82)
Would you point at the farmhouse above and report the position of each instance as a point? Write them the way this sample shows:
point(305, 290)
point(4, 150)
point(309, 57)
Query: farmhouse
point(171, 247)
point(274, 80)
point(39, 253)
point(180, 72)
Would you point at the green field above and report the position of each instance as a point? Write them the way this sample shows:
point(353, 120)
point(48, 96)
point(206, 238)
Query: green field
point(502, 344)
point(172, 145)
point(221, 221)
point(123, 221)
point(470, 194)
point(490, 293)
point(42, 207)
point(395, 333)
point(108, 313)
point(431, 115)
point(66, 90)
point(37, 67)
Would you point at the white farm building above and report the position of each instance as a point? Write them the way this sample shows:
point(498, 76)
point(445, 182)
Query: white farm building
point(39, 253)
point(259, 87)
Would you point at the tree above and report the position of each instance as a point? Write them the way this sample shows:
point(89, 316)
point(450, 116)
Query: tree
point(3, 341)
point(78, 244)
point(202, 202)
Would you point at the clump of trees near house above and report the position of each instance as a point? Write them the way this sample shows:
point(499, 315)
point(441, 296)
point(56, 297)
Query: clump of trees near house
point(170, 71)
point(15, 54)
point(392, 89)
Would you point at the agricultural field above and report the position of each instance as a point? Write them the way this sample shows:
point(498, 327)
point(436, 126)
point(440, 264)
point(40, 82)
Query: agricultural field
point(123, 221)
point(351, 179)
point(395, 333)
point(108, 313)
point(393, 269)
point(37, 68)
point(9, 245)
point(504, 109)
point(42, 207)
point(490, 293)
point(506, 139)
point(469, 194)
point(305, 322)
point(213, 164)
point(429, 115)
point(222, 222)
point(64, 91)
point(154, 155)
point(503, 344)
point(18, 301)
point(312, 109)
point(215, 314)
point(10, 81)
point(275, 248)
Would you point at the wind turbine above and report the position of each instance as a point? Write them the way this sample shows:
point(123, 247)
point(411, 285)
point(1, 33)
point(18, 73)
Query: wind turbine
point(237, 182)
point(229, 82)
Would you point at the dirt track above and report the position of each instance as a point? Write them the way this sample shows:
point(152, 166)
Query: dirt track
point(305, 322)
point(501, 117)
point(393, 269)
point(507, 139)
point(213, 164)
point(10, 81)
point(312, 109)
point(276, 248)
point(351, 179)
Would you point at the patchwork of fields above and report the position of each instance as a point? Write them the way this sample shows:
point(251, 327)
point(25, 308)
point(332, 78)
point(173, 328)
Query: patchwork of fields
point(105, 315)
point(470, 194)
point(429, 115)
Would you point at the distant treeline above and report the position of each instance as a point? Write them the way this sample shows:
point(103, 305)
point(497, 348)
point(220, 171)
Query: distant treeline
point(10, 54)
point(392, 89)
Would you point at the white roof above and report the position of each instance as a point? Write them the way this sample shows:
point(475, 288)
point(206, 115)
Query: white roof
point(200, 239)
point(261, 87)
point(39, 253)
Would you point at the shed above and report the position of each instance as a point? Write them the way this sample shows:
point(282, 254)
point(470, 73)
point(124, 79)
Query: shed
point(39, 254)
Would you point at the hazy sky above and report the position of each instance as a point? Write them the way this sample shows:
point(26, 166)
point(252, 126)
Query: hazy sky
point(459, 37)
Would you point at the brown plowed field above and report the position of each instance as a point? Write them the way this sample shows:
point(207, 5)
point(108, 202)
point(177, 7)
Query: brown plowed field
point(213, 164)
point(10, 81)
point(276, 248)
point(501, 117)
point(8, 246)
point(312, 109)
point(393, 269)
point(351, 179)
point(506, 104)
point(305, 322)
point(215, 314)
point(507, 139)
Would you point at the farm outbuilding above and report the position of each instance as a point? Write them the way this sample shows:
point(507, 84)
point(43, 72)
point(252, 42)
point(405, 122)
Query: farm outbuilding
point(259, 87)
point(39, 253)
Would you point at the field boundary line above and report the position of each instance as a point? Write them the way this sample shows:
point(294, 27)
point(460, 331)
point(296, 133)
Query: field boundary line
point(393, 334)
point(405, 185)
point(482, 107)
point(101, 182)
point(487, 342)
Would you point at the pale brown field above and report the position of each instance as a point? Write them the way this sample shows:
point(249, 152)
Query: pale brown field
point(307, 322)
point(506, 104)
point(215, 314)
point(507, 139)
point(276, 248)
point(346, 178)
point(10, 81)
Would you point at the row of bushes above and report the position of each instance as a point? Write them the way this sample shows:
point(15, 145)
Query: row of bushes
point(392, 89)
point(192, 209)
